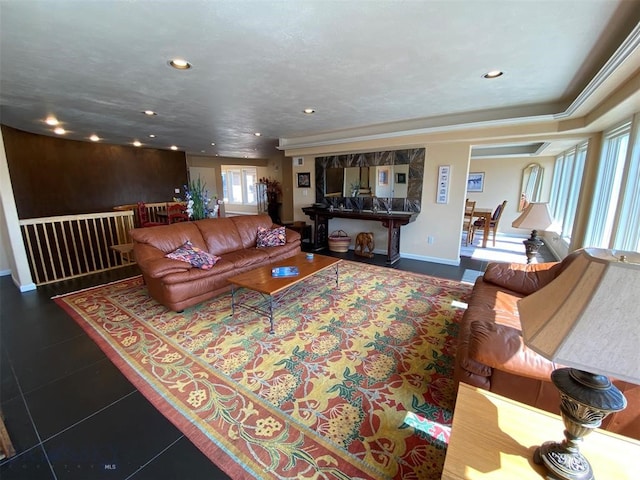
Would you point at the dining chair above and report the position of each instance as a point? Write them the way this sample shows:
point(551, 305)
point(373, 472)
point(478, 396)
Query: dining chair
point(469, 207)
point(143, 217)
point(176, 213)
point(493, 224)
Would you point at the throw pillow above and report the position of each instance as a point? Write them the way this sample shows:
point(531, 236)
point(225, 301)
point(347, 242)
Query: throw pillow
point(271, 238)
point(193, 255)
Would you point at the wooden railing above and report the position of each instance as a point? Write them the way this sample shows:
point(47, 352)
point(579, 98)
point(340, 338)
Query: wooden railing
point(70, 246)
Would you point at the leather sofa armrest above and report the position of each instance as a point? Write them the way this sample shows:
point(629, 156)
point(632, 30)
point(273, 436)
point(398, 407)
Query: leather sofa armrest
point(502, 347)
point(521, 278)
point(153, 262)
point(161, 267)
point(292, 236)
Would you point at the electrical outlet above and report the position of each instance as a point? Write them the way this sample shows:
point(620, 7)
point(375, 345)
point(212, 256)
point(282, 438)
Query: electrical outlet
point(305, 192)
point(430, 240)
point(176, 190)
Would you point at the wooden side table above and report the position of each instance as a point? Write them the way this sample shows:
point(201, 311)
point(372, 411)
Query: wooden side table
point(493, 437)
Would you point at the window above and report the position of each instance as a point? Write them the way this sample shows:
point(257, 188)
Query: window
point(627, 230)
point(567, 177)
point(239, 185)
point(614, 192)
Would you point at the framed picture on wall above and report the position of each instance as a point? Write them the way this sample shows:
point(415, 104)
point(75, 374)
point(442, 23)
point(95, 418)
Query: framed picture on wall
point(444, 172)
point(401, 178)
point(475, 182)
point(304, 180)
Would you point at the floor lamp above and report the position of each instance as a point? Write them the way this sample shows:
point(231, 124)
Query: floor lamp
point(587, 319)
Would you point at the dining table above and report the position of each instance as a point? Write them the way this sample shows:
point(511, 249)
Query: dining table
point(486, 214)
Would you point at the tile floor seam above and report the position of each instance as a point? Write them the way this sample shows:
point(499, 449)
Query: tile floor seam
point(33, 423)
point(89, 416)
point(161, 452)
point(73, 372)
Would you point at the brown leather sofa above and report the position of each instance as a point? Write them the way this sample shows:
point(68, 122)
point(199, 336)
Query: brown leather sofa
point(176, 284)
point(491, 353)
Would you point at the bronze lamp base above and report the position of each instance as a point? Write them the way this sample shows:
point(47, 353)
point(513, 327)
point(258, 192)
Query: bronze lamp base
point(532, 245)
point(585, 400)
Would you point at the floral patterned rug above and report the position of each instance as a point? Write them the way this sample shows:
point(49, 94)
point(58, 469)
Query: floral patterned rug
point(355, 383)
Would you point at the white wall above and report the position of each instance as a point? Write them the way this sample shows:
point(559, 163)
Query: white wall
point(5, 268)
point(435, 234)
point(503, 181)
point(11, 243)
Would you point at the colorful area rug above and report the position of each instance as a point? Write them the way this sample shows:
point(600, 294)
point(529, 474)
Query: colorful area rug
point(356, 382)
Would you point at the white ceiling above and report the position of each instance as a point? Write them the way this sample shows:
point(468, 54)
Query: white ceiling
point(379, 65)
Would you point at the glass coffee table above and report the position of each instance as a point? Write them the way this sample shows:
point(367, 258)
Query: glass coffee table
point(273, 288)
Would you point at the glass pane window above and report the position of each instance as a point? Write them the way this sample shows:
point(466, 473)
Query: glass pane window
point(627, 231)
point(238, 185)
point(573, 191)
point(608, 187)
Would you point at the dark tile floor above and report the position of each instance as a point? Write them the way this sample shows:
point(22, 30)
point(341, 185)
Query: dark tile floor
point(72, 415)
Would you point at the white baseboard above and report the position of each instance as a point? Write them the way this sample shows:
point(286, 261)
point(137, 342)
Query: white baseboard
point(424, 258)
point(418, 257)
point(23, 288)
point(4, 273)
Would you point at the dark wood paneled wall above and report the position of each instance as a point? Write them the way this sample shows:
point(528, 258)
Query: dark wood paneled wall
point(53, 176)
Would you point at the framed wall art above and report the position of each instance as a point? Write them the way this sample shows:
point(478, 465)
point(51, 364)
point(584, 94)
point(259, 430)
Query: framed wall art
point(401, 178)
point(442, 195)
point(304, 180)
point(475, 182)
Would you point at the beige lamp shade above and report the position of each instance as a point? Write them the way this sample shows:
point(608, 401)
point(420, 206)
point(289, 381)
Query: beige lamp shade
point(535, 217)
point(589, 316)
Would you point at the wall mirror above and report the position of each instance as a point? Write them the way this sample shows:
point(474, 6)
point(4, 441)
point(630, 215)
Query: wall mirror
point(531, 189)
point(363, 180)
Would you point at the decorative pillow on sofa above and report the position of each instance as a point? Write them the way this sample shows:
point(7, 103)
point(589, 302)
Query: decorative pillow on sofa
point(193, 255)
point(271, 238)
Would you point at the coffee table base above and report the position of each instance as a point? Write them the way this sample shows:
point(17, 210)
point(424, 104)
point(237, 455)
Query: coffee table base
point(270, 301)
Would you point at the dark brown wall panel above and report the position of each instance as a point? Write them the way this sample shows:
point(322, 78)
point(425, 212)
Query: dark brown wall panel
point(53, 176)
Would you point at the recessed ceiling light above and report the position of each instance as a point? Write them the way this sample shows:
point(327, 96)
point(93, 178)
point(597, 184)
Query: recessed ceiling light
point(257, 134)
point(94, 138)
point(60, 131)
point(213, 144)
point(173, 147)
point(53, 121)
point(493, 74)
point(136, 143)
point(149, 112)
point(180, 64)
point(151, 135)
point(309, 111)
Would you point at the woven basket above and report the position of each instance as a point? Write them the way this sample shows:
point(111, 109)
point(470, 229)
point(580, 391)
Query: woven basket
point(339, 241)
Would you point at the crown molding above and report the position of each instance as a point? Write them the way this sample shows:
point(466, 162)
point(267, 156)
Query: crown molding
point(617, 69)
point(620, 58)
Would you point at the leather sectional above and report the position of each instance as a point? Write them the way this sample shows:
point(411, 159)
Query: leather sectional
point(491, 352)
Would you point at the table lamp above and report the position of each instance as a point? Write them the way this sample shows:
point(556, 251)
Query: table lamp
point(537, 217)
point(587, 319)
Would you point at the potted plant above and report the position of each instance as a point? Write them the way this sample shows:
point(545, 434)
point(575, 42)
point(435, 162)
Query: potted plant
point(197, 198)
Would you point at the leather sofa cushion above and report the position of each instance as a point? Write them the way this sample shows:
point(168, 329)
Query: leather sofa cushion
point(247, 227)
point(502, 347)
point(221, 236)
point(521, 278)
point(192, 274)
